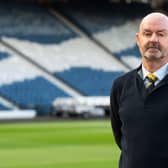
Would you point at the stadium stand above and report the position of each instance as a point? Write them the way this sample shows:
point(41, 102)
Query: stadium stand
point(38, 47)
point(72, 55)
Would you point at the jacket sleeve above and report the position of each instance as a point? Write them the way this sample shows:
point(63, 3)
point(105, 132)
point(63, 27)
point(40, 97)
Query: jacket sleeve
point(114, 115)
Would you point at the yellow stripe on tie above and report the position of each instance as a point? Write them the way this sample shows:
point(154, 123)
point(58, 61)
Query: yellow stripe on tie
point(149, 84)
point(152, 77)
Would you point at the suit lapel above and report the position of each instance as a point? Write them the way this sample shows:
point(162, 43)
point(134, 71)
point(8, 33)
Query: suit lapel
point(140, 83)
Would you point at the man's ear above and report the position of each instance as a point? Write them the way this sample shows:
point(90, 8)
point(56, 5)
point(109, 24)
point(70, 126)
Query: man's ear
point(137, 38)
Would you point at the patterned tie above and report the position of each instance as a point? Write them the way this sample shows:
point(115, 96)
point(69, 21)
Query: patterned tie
point(150, 82)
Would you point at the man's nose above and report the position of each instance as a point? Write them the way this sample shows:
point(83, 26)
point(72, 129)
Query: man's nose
point(154, 37)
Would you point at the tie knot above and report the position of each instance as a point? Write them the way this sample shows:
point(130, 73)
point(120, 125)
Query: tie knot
point(150, 81)
point(152, 77)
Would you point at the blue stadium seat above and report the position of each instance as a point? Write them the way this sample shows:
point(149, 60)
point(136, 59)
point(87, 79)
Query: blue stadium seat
point(128, 51)
point(3, 107)
point(3, 55)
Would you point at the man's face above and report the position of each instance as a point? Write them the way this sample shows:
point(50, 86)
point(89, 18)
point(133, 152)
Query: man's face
point(152, 39)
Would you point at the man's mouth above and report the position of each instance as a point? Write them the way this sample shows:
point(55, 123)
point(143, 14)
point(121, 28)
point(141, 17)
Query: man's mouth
point(153, 48)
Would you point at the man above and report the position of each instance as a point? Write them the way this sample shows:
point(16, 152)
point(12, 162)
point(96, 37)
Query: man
point(139, 100)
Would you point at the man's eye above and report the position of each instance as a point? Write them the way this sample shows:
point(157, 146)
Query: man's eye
point(147, 34)
point(161, 34)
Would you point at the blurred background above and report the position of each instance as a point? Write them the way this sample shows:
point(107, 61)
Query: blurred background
point(58, 60)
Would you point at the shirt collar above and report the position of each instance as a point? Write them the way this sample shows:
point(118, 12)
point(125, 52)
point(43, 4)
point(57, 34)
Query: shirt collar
point(160, 73)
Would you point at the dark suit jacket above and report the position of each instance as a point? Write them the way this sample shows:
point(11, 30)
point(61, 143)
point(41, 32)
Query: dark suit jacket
point(140, 122)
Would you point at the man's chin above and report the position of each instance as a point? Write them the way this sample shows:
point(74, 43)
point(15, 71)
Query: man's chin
point(153, 57)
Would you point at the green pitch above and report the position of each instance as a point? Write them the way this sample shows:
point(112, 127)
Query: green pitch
point(75, 144)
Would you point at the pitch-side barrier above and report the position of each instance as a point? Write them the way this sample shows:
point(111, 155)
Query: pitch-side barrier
point(82, 106)
point(17, 114)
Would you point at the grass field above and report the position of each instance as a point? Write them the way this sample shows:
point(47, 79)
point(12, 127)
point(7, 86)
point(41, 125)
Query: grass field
point(73, 144)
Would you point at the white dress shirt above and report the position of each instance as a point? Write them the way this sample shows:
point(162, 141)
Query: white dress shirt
point(160, 73)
